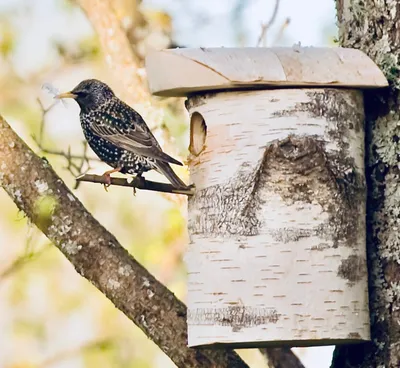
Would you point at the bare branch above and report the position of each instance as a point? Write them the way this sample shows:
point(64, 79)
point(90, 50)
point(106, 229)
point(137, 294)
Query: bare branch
point(136, 183)
point(76, 164)
point(20, 262)
point(63, 355)
point(97, 255)
point(281, 358)
point(67, 155)
point(281, 31)
point(42, 121)
point(266, 26)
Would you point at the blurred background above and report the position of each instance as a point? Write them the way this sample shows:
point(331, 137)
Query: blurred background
point(49, 315)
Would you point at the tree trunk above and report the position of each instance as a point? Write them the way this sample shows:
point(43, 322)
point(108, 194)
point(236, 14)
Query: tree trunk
point(373, 27)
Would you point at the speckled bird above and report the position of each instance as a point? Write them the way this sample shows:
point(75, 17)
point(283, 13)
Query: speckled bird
point(118, 134)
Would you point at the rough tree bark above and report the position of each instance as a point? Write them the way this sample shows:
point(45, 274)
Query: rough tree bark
point(373, 26)
point(96, 254)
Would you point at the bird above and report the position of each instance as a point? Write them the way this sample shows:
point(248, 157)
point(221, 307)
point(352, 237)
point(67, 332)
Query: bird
point(118, 134)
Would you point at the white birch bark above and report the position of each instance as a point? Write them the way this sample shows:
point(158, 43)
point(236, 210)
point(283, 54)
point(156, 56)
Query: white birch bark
point(180, 72)
point(277, 224)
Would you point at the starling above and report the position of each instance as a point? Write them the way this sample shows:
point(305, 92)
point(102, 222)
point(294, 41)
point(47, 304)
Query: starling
point(118, 134)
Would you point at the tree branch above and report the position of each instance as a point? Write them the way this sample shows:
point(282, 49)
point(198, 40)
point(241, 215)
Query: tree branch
point(96, 254)
point(266, 26)
point(67, 354)
point(20, 262)
point(136, 183)
point(116, 48)
point(281, 358)
point(76, 169)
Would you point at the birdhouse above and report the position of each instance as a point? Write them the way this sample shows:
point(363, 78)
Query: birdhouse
point(277, 252)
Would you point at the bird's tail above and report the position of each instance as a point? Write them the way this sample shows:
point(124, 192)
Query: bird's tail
point(164, 168)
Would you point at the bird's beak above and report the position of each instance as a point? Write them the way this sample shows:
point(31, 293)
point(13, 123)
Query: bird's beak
point(66, 95)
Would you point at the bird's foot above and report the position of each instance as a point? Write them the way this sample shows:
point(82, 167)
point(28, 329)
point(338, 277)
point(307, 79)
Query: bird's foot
point(107, 177)
point(138, 178)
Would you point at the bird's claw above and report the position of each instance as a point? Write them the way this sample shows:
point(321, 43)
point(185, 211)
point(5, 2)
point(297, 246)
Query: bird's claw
point(105, 186)
point(107, 183)
point(137, 179)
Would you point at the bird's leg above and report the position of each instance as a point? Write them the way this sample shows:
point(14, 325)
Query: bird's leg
point(138, 178)
point(107, 177)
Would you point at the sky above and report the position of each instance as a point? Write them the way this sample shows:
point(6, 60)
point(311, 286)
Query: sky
point(205, 23)
point(305, 25)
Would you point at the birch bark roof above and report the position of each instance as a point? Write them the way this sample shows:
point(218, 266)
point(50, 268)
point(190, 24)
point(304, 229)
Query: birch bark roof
point(179, 72)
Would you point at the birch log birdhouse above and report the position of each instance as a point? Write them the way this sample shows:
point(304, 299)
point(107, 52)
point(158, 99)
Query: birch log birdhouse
point(277, 252)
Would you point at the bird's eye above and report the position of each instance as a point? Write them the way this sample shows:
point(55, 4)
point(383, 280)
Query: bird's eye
point(82, 93)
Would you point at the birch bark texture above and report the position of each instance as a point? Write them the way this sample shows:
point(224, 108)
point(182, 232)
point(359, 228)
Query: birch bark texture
point(277, 222)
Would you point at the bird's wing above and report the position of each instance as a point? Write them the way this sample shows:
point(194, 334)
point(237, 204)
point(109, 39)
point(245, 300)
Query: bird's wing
point(127, 129)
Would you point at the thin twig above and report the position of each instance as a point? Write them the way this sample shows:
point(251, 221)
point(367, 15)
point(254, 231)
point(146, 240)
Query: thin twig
point(282, 29)
point(21, 261)
point(66, 155)
point(266, 26)
point(42, 123)
point(67, 354)
point(136, 183)
point(74, 168)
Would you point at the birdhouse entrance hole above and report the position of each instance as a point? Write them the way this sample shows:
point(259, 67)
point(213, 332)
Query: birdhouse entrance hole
point(198, 133)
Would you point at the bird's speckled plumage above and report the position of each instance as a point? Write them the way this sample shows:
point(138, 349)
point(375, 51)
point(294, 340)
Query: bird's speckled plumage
point(118, 134)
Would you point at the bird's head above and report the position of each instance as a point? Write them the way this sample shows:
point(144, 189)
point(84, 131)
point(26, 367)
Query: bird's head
point(89, 94)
